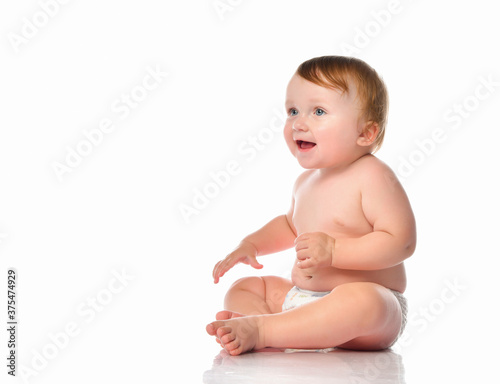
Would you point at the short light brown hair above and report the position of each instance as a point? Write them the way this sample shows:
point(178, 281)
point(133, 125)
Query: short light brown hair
point(336, 71)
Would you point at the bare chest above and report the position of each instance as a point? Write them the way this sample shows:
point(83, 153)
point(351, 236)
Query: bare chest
point(332, 207)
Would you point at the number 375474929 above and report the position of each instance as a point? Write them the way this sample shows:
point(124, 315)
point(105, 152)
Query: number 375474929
point(11, 294)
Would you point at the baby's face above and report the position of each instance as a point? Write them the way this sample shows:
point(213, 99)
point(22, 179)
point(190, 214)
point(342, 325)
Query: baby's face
point(323, 125)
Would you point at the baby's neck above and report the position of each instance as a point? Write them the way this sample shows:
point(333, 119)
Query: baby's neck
point(339, 168)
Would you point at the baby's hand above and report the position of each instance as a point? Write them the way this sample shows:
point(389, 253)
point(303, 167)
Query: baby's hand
point(314, 249)
point(245, 253)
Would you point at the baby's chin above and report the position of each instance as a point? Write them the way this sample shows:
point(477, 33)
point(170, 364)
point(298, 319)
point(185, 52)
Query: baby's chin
point(307, 167)
point(307, 164)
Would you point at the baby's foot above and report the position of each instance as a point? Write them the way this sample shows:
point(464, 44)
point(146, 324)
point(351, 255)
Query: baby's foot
point(226, 315)
point(239, 334)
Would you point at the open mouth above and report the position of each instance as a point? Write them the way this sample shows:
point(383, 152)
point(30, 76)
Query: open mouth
point(305, 145)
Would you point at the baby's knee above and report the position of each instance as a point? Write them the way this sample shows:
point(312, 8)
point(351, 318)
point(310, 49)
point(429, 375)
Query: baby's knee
point(267, 292)
point(369, 298)
point(253, 284)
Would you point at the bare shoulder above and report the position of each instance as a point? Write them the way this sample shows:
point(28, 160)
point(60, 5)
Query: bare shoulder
point(302, 178)
point(373, 171)
point(371, 164)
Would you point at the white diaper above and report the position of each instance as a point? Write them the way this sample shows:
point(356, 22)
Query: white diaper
point(297, 297)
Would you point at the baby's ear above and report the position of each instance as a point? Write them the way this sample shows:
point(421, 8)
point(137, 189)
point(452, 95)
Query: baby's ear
point(368, 134)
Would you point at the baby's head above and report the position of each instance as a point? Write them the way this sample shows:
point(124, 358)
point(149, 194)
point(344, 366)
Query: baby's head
point(342, 73)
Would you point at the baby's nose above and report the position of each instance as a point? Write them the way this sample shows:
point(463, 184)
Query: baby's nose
point(300, 125)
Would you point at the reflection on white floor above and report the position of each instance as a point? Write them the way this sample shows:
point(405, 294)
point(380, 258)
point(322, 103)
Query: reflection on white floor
point(338, 366)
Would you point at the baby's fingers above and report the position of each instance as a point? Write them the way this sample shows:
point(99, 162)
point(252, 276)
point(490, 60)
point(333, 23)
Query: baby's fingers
point(256, 264)
point(252, 261)
point(304, 260)
point(301, 244)
point(222, 267)
point(215, 272)
point(306, 263)
point(303, 254)
point(219, 270)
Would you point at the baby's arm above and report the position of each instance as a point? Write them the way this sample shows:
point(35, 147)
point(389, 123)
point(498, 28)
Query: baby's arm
point(275, 236)
point(386, 207)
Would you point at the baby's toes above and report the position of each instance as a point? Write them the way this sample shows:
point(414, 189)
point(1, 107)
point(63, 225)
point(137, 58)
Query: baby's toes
point(211, 330)
point(227, 339)
point(223, 315)
point(225, 334)
point(213, 327)
point(226, 315)
point(234, 347)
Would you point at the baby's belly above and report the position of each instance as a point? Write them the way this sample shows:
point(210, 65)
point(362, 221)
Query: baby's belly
point(326, 279)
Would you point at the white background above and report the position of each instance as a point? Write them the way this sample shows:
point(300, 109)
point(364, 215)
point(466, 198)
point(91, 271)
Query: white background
point(65, 68)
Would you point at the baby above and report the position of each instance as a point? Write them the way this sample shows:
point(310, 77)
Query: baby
point(350, 222)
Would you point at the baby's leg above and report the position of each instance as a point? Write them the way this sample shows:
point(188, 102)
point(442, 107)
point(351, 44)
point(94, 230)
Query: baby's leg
point(253, 296)
point(256, 296)
point(362, 316)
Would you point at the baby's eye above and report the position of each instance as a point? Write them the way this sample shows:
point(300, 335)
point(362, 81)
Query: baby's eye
point(293, 112)
point(319, 112)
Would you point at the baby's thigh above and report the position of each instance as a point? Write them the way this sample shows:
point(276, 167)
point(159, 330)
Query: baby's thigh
point(276, 291)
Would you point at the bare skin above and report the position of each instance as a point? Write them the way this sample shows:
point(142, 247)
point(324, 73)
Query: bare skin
point(352, 227)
